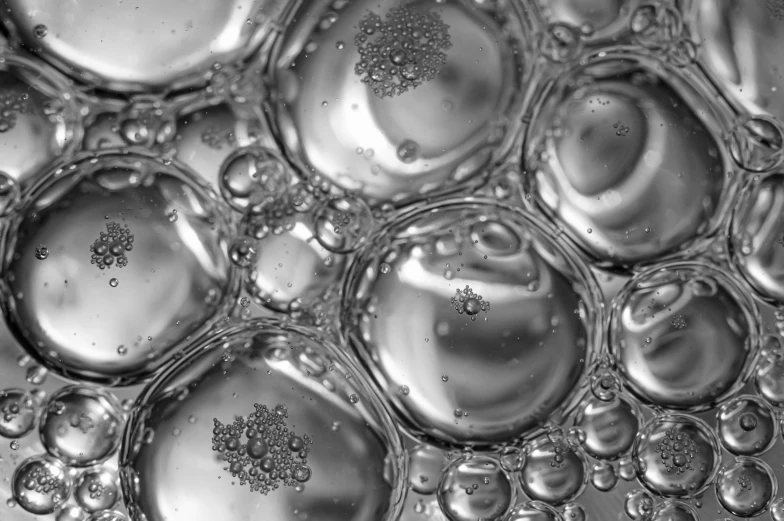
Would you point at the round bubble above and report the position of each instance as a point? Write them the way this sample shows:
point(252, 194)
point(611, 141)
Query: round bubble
point(609, 426)
point(399, 123)
point(604, 476)
point(138, 47)
point(684, 335)
point(426, 464)
point(674, 511)
point(574, 512)
point(746, 426)
point(608, 154)
point(746, 487)
point(81, 426)
point(756, 239)
point(104, 216)
point(342, 224)
point(777, 510)
point(638, 505)
point(18, 412)
point(676, 455)
point(475, 487)
point(285, 420)
point(70, 513)
point(533, 511)
point(474, 308)
point(769, 380)
point(39, 118)
point(41, 485)
point(97, 490)
point(554, 471)
point(107, 515)
point(597, 20)
point(251, 176)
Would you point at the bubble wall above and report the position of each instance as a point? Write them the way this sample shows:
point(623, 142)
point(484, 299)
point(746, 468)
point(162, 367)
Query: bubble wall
point(391, 260)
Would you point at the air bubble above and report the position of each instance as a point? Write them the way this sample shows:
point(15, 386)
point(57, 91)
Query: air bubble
point(746, 487)
point(674, 511)
point(554, 472)
point(604, 476)
point(609, 426)
point(638, 505)
point(41, 485)
point(533, 511)
point(425, 468)
point(97, 490)
point(756, 142)
point(343, 224)
point(243, 252)
point(18, 413)
point(252, 176)
point(746, 426)
point(488, 500)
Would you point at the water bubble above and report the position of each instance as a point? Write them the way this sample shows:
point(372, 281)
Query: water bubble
point(41, 252)
point(533, 511)
point(638, 505)
point(253, 175)
point(554, 472)
point(511, 458)
point(18, 412)
point(343, 224)
point(605, 385)
point(560, 43)
point(408, 151)
point(518, 249)
point(70, 513)
point(243, 252)
point(9, 193)
point(88, 429)
point(426, 465)
point(676, 455)
point(604, 476)
point(574, 512)
point(489, 500)
point(97, 490)
point(258, 361)
point(756, 142)
point(41, 485)
point(674, 511)
point(178, 279)
point(107, 515)
point(746, 487)
point(777, 510)
point(609, 426)
point(656, 25)
point(688, 368)
point(746, 426)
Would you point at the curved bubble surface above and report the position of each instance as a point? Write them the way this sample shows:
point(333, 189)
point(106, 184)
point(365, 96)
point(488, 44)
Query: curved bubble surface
point(746, 487)
point(475, 487)
point(609, 426)
point(746, 426)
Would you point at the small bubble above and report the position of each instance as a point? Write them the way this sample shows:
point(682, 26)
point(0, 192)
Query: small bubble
point(385, 268)
point(41, 252)
point(114, 282)
point(353, 398)
point(14, 444)
point(40, 31)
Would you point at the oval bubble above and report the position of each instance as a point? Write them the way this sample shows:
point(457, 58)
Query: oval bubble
point(415, 309)
point(81, 426)
point(746, 487)
point(607, 158)
point(426, 466)
point(475, 487)
point(684, 335)
point(414, 101)
point(106, 216)
point(39, 118)
point(746, 426)
point(18, 412)
point(609, 426)
point(41, 485)
point(266, 440)
point(554, 472)
point(676, 455)
point(140, 47)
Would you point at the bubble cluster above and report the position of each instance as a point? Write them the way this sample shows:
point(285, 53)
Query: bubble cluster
point(271, 455)
point(402, 51)
point(468, 302)
point(110, 246)
point(41, 485)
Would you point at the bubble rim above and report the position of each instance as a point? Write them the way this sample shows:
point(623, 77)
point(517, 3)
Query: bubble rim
point(503, 13)
point(745, 303)
point(762, 403)
point(692, 89)
point(137, 417)
point(739, 461)
point(590, 296)
point(57, 174)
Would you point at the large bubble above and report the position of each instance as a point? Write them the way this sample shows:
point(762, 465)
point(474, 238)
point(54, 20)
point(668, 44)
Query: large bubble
point(398, 99)
point(263, 418)
point(114, 262)
point(684, 335)
point(486, 322)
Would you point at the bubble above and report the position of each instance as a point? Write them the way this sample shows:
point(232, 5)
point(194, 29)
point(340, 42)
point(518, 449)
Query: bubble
point(609, 426)
point(638, 505)
point(533, 511)
point(41, 485)
point(597, 21)
point(511, 458)
point(343, 224)
point(177, 281)
point(9, 193)
point(769, 380)
point(676, 455)
point(746, 487)
point(560, 43)
point(259, 362)
point(31, 138)
point(777, 510)
point(674, 511)
point(746, 426)
point(41, 252)
point(491, 490)
point(426, 464)
point(554, 472)
point(253, 175)
point(243, 252)
point(604, 476)
point(107, 515)
point(70, 513)
point(40, 31)
point(139, 47)
point(605, 385)
point(607, 154)
point(755, 143)
point(414, 297)
point(18, 412)
point(87, 428)
point(97, 490)
point(688, 368)
point(385, 93)
point(574, 512)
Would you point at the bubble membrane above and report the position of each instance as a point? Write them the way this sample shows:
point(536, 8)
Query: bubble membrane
point(413, 312)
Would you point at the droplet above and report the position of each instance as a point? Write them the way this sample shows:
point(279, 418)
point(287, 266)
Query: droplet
point(41, 252)
point(343, 224)
point(426, 466)
point(638, 505)
point(40, 31)
point(113, 282)
point(243, 252)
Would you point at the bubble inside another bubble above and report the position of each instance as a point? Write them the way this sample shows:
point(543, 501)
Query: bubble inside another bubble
point(41, 485)
point(18, 413)
point(746, 426)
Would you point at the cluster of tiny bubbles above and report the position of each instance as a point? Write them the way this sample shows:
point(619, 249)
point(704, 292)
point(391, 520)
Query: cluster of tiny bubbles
point(97, 490)
point(475, 487)
point(693, 367)
point(41, 485)
point(638, 505)
point(18, 412)
point(177, 277)
point(81, 425)
point(747, 426)
point(746, 487)
point(555, 469)
point(756, 143)
point(402, 51)
point(533, 511)
point(252, 175)
point(609, 426)
point(343, 224)
point(676, 455)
